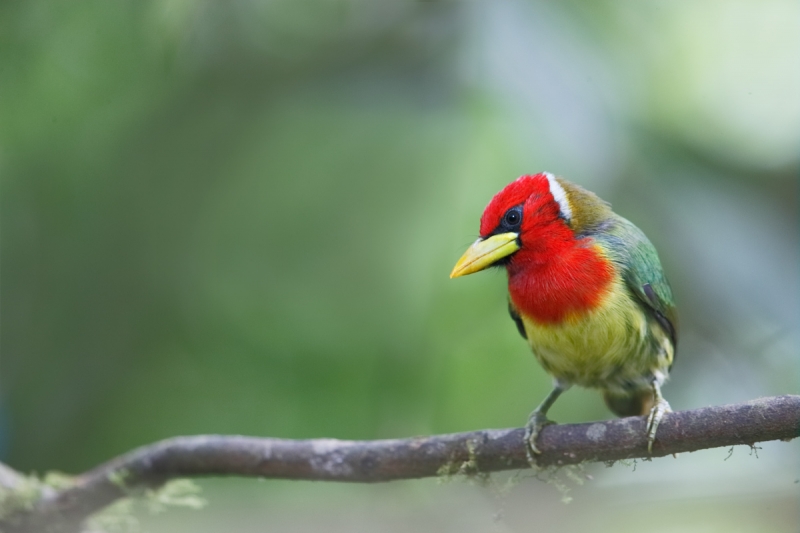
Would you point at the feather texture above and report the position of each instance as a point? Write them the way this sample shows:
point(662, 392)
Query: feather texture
point(592, 297)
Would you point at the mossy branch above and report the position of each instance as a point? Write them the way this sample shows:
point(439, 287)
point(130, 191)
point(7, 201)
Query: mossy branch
point(63, 510)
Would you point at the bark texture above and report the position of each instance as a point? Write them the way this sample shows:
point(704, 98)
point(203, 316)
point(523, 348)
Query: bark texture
point(62, 511)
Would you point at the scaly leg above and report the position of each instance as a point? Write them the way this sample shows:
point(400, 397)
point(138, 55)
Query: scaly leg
point(538, 419)
point(656, 414)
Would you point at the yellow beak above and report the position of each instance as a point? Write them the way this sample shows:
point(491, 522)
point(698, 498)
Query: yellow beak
point(485, 252)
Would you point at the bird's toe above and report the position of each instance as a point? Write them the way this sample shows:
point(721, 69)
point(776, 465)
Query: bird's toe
point(654, 419)
point(536, 422)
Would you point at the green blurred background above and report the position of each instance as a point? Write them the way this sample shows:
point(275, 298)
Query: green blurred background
point(240, 216)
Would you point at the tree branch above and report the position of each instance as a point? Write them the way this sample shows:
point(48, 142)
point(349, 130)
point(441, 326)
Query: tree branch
point(384, 460)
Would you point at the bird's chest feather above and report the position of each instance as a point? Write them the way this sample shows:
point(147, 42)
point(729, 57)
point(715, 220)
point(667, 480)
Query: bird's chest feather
point(604, 347)
point(582, 323)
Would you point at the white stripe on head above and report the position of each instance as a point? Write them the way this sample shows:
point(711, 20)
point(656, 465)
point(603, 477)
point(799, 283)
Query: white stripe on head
point(560, 196)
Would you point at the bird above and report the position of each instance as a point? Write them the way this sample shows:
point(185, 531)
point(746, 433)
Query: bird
point(586, 290)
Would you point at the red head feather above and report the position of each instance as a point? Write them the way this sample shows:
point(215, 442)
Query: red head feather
point(555, 274)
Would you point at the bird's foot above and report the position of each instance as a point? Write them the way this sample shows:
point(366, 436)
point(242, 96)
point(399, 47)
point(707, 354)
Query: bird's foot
point(654, 419)
point(536, 422)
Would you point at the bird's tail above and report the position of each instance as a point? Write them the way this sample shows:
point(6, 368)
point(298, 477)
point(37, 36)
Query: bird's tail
point(637, 403)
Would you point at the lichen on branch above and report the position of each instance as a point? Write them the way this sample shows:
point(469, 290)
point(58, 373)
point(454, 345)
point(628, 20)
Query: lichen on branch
point(63, 509)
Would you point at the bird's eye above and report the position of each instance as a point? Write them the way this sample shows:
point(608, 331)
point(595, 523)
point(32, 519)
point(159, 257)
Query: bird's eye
point(513, 217)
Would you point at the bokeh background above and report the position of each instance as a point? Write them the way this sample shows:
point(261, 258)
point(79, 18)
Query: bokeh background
point(240, 216)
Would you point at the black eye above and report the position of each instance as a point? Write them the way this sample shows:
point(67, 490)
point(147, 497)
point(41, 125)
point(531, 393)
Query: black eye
point(513, 217)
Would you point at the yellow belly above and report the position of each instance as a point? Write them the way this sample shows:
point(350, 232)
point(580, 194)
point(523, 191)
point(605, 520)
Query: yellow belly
point(613, 347)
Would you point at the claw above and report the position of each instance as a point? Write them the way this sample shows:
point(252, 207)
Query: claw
point(536, 421)
point(654, 419)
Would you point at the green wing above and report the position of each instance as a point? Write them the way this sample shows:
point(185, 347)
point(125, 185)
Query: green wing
point(641, 269)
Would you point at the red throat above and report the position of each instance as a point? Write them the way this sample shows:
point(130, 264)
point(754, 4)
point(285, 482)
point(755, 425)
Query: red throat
point(554, 275)
point(558, 279)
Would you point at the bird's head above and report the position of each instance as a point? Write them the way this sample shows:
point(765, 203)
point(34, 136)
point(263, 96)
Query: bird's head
point(531, 219)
